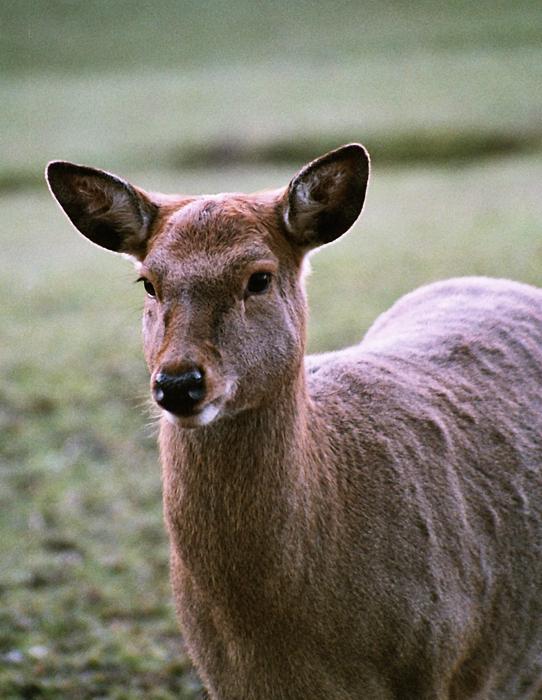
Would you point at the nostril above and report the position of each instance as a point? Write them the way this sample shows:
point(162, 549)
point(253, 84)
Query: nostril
point(194, 376)
point(162, 379)
point(196, 393)
point(158, 389)
point(179, 393)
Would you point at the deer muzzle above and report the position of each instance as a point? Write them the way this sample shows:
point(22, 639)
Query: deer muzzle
point(180, 394)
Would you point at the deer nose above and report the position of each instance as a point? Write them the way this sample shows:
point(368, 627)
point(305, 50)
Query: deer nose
point(179, 393)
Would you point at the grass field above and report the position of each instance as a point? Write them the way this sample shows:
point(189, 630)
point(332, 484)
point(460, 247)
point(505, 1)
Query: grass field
point(131, 84)
point(450, 104)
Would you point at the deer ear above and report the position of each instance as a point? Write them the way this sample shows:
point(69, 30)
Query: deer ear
point(326, 196)
point(107, 210)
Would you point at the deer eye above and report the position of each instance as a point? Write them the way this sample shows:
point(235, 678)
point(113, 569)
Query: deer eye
point(148, 286)
point(258, 282)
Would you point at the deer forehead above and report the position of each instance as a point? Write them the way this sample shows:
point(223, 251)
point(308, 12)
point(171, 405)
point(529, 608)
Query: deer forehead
point(215, 237)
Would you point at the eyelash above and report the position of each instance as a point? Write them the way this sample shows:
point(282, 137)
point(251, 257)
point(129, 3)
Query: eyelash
point(149, 287)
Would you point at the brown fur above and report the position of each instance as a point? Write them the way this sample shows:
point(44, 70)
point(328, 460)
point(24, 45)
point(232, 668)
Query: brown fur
point(358, 525)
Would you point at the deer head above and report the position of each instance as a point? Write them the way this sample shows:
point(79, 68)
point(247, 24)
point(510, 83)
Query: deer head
point(224, 317)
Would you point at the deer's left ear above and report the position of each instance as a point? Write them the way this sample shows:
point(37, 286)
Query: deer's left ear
point(104, 208)
point(326, 196)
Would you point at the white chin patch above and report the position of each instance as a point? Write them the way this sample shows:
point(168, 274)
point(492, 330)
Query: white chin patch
point(170, 417)
point(206, 416)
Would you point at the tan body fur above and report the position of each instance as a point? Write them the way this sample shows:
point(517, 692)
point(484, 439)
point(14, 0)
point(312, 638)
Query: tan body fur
point(360, 525)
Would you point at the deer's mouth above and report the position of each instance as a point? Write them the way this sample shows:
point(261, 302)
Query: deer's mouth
point(198, 417)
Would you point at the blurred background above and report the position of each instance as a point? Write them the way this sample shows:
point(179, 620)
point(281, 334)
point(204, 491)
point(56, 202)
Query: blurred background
point(188, 96)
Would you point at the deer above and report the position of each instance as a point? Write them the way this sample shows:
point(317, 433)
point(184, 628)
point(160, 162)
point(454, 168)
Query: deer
point(363, 524)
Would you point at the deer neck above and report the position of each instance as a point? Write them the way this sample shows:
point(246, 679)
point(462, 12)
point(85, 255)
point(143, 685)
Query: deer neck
point(234, 491)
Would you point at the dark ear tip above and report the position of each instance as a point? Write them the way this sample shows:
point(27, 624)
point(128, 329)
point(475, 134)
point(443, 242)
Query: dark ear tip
point(51, 168)
point(54, 165)
point(56, 168)
point(356, 151)
point(61, 167)
point(355, 146)
point(355, 154)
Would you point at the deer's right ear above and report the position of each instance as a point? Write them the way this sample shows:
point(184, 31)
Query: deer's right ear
point(107, 210)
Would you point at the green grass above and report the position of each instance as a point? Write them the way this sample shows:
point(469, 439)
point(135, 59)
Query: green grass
point(125, 85)
point(125, 120)
point(172, 94)
point(75, 36)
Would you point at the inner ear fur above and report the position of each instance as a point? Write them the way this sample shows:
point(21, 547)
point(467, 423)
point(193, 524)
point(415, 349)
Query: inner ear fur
point(107, 210)
point(326, 196)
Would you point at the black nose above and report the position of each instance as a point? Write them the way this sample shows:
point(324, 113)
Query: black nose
point(179, 393)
